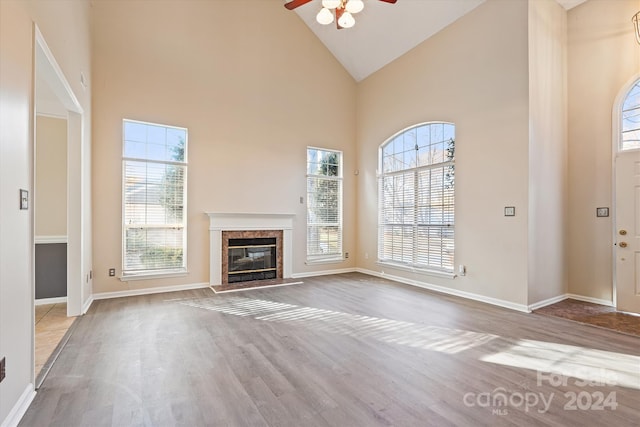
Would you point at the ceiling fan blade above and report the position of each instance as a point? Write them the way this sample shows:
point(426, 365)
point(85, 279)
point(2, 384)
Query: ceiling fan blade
point(339, 12)
point(389, 1)
point(295, 3)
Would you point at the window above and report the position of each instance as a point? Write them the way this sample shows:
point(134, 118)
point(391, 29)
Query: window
point(416, 199)
point(630, 138)
point(154, 192)
point(324, 205)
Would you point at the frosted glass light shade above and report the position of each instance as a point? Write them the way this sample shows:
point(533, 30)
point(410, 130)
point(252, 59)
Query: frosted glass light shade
point(346, 20)
point(331, 4)
point(354, 6)
point(324, 17)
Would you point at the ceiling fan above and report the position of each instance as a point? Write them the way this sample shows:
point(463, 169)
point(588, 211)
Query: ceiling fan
point(343, 10)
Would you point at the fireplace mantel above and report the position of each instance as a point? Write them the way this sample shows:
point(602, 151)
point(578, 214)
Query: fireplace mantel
point(228, 221)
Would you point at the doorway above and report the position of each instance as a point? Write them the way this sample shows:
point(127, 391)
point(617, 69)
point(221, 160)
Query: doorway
point(626, 154)
point(57, 204)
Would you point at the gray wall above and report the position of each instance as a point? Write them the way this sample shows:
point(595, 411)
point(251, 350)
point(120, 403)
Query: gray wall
point(51, 270)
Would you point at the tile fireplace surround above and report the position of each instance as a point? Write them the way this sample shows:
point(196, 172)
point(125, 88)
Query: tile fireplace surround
point(219, 222)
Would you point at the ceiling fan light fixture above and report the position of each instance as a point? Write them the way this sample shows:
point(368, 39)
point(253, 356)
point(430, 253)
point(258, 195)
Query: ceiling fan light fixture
point(331, 4)
point(324, 17)
point(346, 20)
point(354, 6)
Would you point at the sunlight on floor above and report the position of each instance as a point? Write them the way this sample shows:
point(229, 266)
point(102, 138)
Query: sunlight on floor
point(598, 366)
point(390, 331)
point(545, 357)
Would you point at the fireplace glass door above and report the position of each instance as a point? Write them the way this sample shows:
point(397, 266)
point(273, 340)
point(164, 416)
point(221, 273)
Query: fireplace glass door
point(252, 259)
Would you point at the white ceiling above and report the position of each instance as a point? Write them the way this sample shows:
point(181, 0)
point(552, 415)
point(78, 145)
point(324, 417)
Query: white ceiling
point(384, 32)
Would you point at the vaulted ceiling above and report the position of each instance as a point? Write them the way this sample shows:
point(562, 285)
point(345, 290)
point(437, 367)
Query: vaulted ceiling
point(384, 32)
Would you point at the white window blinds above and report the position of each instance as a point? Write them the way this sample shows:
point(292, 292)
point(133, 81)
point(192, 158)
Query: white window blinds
point(416, 200)
point(324, 204)
point(154, 196)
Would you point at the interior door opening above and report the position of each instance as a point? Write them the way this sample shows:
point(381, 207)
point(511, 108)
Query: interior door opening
point(56, 206)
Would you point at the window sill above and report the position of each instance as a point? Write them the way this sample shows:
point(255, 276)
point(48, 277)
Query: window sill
point(155, 275)
point(425, 271)
point(325, 261)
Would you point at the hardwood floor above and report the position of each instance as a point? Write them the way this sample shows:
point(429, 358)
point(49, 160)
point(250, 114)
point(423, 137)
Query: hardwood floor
point(52, 324)
point(343, 350)
point(594, 314)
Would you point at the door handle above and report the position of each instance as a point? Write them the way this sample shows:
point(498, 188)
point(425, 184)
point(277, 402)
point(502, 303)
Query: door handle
point(623, 232)
point(622, 244)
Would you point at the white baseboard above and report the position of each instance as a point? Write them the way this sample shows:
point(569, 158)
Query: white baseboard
point(44, 301)
point(87, 304)
point(468, 295)
point(547, 302)
point(21, 406)
point(570, 296)
point(323, 273)
point(591, 299)
point(148, 291)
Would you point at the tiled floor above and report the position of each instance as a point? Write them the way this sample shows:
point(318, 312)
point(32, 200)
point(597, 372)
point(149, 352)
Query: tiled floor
point(594, 314)
point(51, 325)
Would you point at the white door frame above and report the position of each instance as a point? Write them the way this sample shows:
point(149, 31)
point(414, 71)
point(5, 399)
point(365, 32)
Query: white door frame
point(46, 66)
point(616, 129)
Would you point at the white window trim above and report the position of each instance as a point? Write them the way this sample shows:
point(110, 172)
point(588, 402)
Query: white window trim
point(432, 271)
point(418, 270)
point(618, 116)
point(128, 276)
point(131, 277)
point(329, 258)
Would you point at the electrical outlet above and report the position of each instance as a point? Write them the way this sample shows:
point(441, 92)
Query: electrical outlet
point(346, 255)
point(366, 255)
point(112, 272)
point(3, 369)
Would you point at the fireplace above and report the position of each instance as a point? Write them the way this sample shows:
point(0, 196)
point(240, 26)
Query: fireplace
point(251, 255)
point(226, 226)
point(251, 259)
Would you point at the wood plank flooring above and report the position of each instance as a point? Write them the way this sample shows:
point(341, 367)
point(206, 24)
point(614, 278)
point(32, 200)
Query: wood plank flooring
point(594, 314)
point(52, 324)
point(343, 350)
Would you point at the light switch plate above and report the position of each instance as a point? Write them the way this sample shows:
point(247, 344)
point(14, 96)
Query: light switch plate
point(24, 200)
point(602, 212)
point(509, 211)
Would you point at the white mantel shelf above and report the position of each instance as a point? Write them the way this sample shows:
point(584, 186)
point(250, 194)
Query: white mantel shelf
point(241, 221)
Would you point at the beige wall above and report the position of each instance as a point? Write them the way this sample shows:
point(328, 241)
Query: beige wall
point(51, 176)
point(254, 93)
point(16, 257)
point(603, 57)
point(474, 73)
point(547, 151)
point(64, 25)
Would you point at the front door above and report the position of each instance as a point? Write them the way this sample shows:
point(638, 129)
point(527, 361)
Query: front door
point(627, 238)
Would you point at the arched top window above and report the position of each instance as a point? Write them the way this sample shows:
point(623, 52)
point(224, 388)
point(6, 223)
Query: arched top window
point(416, 201)
point(420, 145)
point(630, 134)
